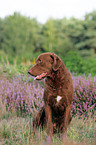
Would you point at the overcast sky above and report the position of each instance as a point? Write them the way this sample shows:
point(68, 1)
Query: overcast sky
point(44, 9)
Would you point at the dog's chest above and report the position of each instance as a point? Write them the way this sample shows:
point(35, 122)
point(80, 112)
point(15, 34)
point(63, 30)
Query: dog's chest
point(58, 98)
point(54, 101)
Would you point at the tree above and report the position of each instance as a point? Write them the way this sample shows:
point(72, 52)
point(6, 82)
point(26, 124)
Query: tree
point(20, 34)
point(49, 35)
point(1, 33)
point(89, 35)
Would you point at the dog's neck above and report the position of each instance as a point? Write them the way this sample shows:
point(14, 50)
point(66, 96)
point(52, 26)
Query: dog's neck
point(55, 79)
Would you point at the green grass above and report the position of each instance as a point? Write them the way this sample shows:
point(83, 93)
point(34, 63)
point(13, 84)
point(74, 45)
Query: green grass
point(18, 131)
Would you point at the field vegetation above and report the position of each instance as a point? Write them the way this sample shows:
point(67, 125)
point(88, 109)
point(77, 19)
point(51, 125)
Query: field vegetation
point(20, 99)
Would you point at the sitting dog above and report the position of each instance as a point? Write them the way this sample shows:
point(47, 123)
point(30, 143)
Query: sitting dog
point(55, 115)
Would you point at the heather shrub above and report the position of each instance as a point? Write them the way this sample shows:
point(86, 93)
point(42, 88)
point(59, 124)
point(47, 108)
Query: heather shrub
point(24, 95)
point(20, 95)
point(84, 100)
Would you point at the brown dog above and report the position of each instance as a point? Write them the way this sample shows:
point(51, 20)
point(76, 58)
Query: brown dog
point(58, 93)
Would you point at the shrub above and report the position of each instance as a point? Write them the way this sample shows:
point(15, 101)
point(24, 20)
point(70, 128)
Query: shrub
point(19, 94)
point(84, 100)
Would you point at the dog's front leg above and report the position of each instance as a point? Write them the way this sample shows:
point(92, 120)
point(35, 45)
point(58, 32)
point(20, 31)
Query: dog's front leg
point(48, 114)
point(66, 118)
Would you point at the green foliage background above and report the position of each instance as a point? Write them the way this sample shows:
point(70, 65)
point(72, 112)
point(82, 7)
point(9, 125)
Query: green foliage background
point(74, 40)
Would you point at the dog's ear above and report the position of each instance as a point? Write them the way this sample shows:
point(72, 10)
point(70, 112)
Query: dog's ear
point(56, 62)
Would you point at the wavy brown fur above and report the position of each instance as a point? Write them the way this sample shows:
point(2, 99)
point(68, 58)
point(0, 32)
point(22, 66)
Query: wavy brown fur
point(55, 116)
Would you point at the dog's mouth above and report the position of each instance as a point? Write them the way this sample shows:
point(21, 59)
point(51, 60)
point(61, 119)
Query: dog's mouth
point(41, 76)
point(38, 77)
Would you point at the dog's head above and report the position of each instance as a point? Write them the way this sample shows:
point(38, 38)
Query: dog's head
point(46, 63)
